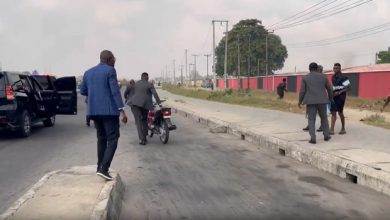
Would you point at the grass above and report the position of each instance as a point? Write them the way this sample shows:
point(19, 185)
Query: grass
point(254, 98)
point(376, 120)
point(262, 99)
point(271, 99)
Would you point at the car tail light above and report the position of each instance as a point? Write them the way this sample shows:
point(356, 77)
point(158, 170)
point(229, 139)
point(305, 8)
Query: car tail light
point(166, 113)
point(9, 93)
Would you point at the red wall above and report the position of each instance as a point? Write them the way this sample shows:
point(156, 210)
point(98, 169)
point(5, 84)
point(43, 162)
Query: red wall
point(299, 83)
point(234, 84)
point(253, 83)
point(371, 84)
point(221, 83)
point(374, 85)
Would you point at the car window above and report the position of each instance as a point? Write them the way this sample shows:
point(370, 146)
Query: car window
point(44, 82)
point(13, 78)
point(36, 85)
point(2, 82)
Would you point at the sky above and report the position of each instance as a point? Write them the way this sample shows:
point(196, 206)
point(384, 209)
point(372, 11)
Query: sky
point(65, 37)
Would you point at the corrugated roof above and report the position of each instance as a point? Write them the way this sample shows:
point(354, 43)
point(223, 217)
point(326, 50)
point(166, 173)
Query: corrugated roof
point(369, 68)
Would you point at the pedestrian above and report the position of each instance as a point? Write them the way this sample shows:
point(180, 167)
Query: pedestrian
point(105, 107)
point(141, 102)
point(341, 85)
point(320, 70)
point(386, 100)
point(316, 93)
point(129, 90)
point(282, 87)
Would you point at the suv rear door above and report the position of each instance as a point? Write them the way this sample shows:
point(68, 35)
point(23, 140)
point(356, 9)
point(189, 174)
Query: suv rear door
point(66, 89)
point(47, 93)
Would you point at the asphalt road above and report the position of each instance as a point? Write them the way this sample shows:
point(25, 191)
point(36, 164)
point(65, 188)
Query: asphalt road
point(197, 175)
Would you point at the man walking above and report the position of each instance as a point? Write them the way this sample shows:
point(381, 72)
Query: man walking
point(129, 90)
point(341, 85)
point(104, 106)
point(141, 102)
point(282, 87)
point(320, 70)
point(313, 94)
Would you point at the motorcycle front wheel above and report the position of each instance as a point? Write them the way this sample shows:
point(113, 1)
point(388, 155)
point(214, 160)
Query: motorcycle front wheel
point(164, 132)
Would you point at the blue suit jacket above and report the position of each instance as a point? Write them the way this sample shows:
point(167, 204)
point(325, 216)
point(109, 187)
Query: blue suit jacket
point(100, 85)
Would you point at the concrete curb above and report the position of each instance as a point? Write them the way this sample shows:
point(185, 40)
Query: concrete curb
point(355, 172)
point(109, 201)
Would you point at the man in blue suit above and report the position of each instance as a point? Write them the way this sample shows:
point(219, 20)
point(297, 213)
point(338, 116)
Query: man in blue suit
point(104, 107)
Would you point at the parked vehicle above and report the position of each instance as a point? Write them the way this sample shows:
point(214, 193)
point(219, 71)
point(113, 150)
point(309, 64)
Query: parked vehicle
point(26, 100)
point(159, 122)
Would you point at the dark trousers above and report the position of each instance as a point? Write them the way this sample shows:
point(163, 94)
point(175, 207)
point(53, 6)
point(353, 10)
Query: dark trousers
point(141, 121)
point(107, 129)
point(312, 113)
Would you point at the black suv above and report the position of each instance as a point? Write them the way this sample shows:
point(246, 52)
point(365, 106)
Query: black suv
point(26, 99)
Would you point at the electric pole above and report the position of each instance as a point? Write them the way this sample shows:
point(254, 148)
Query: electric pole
point(181, 75)
point(226, 44)
point(174, 73)
point(186, 63)
point(207, 72)
point(249, 60)
point(195, 55)
point(266, 59)
point(189, 71)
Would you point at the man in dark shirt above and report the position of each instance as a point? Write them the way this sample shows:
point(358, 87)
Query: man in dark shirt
point(282, 87)
point(341, 85)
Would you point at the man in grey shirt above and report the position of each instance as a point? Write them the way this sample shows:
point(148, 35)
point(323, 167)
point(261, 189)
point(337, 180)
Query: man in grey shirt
point(141, 102)
point(316, 93)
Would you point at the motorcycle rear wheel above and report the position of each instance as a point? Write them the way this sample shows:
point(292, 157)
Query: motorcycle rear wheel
point(164, 132)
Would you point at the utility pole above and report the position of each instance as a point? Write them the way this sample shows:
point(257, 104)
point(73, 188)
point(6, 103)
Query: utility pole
point(181, 75)
point(266, 60)
point(195, 55)
point(186, 63)
point(174, 73)
point(238, 63)
point(226, 44)
point(207, 70)
point(249, 60)
point(258, 67)
point(376, 57)
point(189, 71)
point(166, 73)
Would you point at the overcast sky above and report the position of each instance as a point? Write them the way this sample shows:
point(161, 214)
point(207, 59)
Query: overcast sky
point(65, 37)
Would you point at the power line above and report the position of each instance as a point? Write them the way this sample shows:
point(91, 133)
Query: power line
point(316, 13)
point(297, 14)
point(347, 37)
point(318, 16)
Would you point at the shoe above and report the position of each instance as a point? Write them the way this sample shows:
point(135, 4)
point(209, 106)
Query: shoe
point(312, 142)
point(142, 142)
point(306, 128)
point(319, 129)
point(342, 132)
point(331, 132)
point(88, 124)
point(327, 138)
point(105, 175)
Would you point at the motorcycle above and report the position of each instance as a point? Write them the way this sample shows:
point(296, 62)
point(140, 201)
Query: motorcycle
point(159, 122)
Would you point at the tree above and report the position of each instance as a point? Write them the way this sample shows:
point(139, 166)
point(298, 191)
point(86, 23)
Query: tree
point(383, 57)
point(247, 42)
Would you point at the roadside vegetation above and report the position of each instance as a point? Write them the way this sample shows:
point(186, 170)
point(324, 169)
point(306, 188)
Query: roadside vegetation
point(269, 100)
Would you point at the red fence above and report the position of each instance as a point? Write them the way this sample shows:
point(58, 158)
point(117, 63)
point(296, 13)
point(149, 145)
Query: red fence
point(364, 84)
